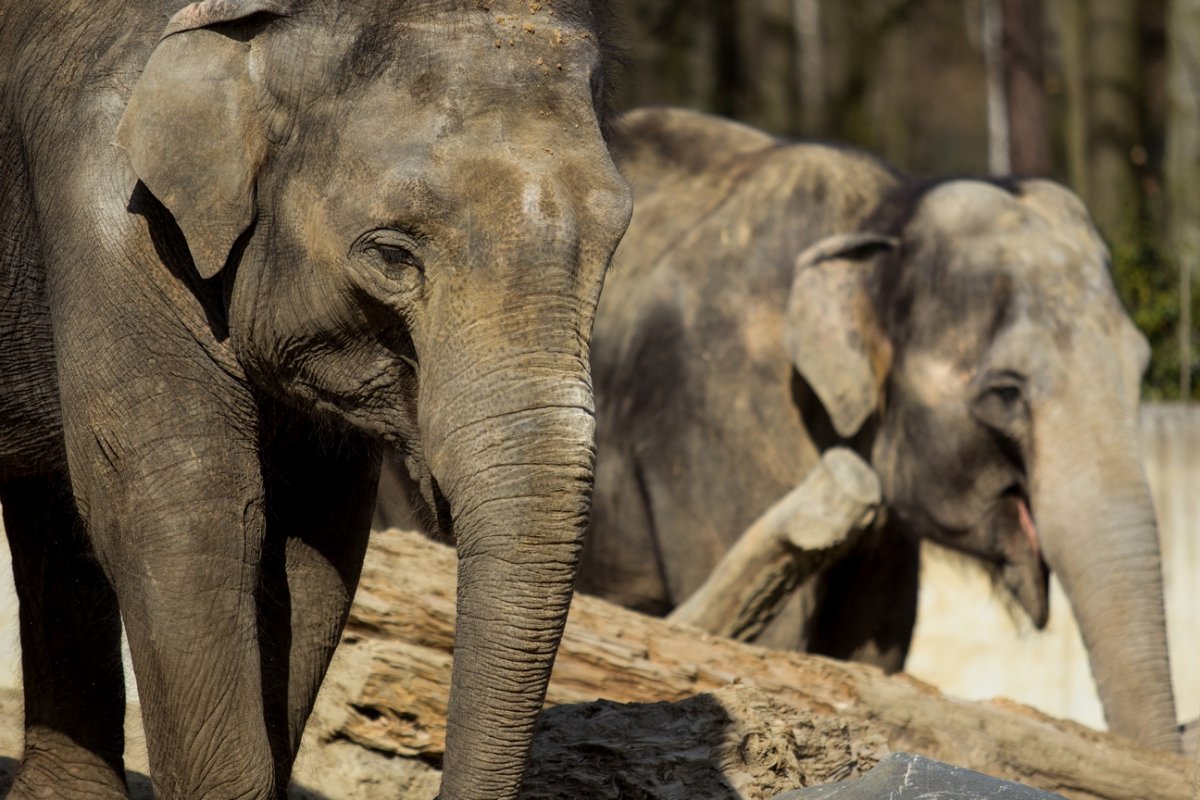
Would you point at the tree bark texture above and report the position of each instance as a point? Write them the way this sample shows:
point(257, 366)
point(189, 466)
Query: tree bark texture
point(391, 685)
point(999, 149)
point(1182, 165)
point(1072, 21)
point(810, 65)
point(1024, 91)
point(1113, 81)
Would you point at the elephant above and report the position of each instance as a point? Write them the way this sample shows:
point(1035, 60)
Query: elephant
point(247, 244)
point(773, 300)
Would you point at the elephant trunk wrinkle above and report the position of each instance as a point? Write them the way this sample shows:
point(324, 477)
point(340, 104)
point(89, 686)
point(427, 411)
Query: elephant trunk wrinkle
point(512, 451)
point(1098, 530)
point(518, 555)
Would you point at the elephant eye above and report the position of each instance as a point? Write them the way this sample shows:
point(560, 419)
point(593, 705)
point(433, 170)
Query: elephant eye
point(397, 256)
point(1006, 394)
point(1000, 402)
point(394, 249)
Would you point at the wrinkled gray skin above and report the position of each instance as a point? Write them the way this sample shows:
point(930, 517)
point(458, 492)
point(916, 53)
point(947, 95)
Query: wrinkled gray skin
point(325, 224)
point(968, 342)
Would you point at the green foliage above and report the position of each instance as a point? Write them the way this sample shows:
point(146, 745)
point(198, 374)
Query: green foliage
point(1148, 284)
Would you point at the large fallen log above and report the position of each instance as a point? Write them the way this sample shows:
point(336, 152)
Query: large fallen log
point(392, 686)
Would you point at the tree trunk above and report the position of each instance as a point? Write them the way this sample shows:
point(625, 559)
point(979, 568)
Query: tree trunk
point(1024, 93)
point(1019, 142)
point(999, 148)
point(810, 65)
point(1112, 44)
point(1073, 24)
point(1182, 164)
point(394, 664)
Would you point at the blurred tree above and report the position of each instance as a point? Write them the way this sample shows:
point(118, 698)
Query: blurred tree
point(999, 146)
point(1021, 39)
point(1072, 22)
point(810, 65)
point(1114, 117)
point(1182, 165)
point(866, 45)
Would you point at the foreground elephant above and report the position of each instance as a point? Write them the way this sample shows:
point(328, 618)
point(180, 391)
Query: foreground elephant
point(325, 225)
point(964, 337)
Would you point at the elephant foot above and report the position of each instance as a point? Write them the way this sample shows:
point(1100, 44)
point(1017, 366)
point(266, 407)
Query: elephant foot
point(55, 767)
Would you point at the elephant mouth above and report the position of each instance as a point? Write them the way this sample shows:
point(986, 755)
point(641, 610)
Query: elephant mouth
point(1023, 569)
point(1025, 519)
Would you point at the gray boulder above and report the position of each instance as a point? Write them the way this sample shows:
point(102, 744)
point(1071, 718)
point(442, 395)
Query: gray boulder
point(904, 776)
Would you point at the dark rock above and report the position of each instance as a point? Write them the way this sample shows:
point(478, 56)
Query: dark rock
point(904, 776)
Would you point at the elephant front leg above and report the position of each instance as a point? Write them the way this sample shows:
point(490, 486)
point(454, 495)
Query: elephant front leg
point(70, 649)
point(178, 525)
point(320, 498)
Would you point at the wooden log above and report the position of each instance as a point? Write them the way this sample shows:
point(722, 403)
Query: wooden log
point(806, 531)
point(734, 743)
point(391, 687)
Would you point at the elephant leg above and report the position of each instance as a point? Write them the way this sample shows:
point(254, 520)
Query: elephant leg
point(180, 532)
point(320, 499)
point(868, 602)
point(622, 561)
point(70, 649)
point(161, 436)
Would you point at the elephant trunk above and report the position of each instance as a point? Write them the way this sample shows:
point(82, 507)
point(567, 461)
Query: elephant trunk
point(1097, 528)
point(513, 458)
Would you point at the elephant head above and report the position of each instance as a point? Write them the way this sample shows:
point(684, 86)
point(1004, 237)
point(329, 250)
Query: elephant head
point(410, 208)
point(972, 338)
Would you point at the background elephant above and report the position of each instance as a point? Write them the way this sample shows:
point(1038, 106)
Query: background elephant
point(325, 225)
point(964, 337)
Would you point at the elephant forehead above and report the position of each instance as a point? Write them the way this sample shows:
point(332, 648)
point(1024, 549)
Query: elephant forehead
point(463, 58)
point(1050, 264)
point(974, 207)
point(372, 166)
point(480, 95)
point(968, 207)
point(576, 12)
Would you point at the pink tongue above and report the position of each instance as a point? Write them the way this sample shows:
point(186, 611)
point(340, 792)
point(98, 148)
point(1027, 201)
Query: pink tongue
point(1028, 527)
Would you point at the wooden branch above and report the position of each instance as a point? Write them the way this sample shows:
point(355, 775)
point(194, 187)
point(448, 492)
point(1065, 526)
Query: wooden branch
point(794, 539)
point(389, 691)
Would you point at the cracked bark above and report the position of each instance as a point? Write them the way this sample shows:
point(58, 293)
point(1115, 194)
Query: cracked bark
point(387, 692)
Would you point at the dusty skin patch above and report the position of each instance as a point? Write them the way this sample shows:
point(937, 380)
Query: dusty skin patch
point(762, 334)
point(938, 380)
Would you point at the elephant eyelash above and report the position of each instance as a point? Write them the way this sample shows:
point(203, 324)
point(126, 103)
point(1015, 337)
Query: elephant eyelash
point(396, 246)
point(397, 256)
point(1006, 386)
point(1008, 394)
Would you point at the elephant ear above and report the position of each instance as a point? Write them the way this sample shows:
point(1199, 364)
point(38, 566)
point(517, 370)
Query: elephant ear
point(833, 331)
point(193, 130)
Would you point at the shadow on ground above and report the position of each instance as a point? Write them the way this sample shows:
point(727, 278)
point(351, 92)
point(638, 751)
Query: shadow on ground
point(732, 744)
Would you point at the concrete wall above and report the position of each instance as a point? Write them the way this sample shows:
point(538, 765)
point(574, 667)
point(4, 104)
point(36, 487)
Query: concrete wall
point(970, 643)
